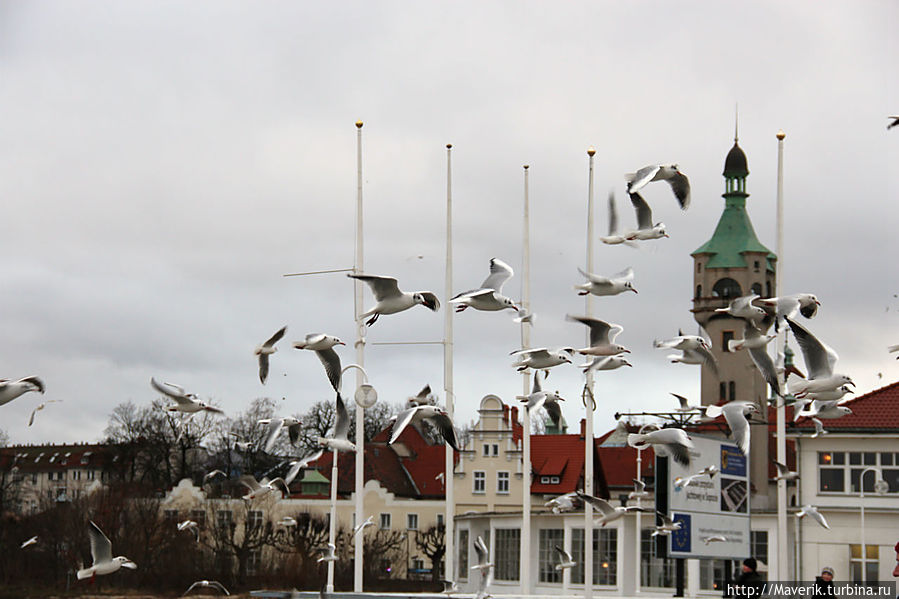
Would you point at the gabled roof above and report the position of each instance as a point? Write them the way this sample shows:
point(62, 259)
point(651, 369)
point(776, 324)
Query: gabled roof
point(557, 455)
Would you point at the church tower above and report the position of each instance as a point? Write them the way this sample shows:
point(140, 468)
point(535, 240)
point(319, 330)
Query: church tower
point(730, 264)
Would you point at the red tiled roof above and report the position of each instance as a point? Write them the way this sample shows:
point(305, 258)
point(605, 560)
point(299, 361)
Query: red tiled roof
point(554, 465)
point(53, 457)
point(565, 456)
point(619, 463)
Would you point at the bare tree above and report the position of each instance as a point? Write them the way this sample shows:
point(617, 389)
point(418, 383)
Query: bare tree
point(382, 549)
point(432, 543)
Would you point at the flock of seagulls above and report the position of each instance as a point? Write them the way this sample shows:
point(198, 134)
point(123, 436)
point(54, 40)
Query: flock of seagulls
point(820, 395)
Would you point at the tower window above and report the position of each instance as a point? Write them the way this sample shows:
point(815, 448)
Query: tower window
point(768, 289)
point(698, 291)
point(755, 266)
point(732, 390)
point(722, 391)
point(727, 288)
point(698, 267)
point(757, 288)
point(725, 337)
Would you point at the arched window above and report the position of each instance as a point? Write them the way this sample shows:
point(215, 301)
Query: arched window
point(727, 288)
point(757, 289)
point(698, 291)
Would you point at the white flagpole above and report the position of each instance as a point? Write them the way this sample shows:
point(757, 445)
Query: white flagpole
point(448, 478)
point(782, 560)
point(525, 553)
point(588, 433)
point(360, 360)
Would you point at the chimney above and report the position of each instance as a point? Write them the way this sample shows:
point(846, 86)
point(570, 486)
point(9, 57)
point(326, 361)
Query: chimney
point(583, 428)
point(514, 415)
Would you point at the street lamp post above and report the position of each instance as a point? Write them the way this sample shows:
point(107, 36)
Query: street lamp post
point(638, 554)
point(861, 484)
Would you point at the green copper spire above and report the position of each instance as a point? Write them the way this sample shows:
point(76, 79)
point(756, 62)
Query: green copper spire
point(734, 234)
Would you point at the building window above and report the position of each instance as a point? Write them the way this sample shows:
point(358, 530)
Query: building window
point(34, 478)
point(758, 548)
point(507, 552)
point(712, 572)
point(870, 563)
point(223, 519)
point(480, 481)
point(254, 519)
point(502, 483)
point(199, 516)
point(170, 516)
point(756, 288)
point(654, 571)
point(732, 390)
point(385, 521)
point(495, 448)
point(698, 267)
point(840, 472)
point(418, 565)
point(547, 554)
point(727, 288)
point(722, 391)
point(439, 519)
point(767, 288)
point(755, 267)
point(698, 291)
point(605, 555)
point(254, 561)
point(76, 475)
point(486, 450)
point(463, 554)
point(412, 521)
point(90, 475)
point(726, 336)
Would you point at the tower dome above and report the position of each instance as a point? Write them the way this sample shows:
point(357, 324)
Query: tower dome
point(735, 165)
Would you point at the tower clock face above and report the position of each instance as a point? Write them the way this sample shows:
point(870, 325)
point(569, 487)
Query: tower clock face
point(366, 396)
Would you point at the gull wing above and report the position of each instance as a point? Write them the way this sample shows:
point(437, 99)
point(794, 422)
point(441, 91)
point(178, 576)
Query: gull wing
point(403, 419)
point(600, 331)
point(536, 387)
point(331, 361)
point(819, 359)
point(600, 504)
point(705, 356)
point(298, 465)
point(173, 391)
point(762, 360)
point(250, 482)
point(595, 279)
point(443, 424)
point(739, 428)
point(680, 185)
point(382, 287)
point(540, 352)
point(500, 272)
point(566, 557)
point(341, 420)
point(274, 427)
point(554, 410)
point(263, 368)
point(276, 337)
point(684, 402)
point(481, 550)
point(34, 381)
point(101, 548)
point(613, 215)
point(644, 212)
point(637, 180)
point(781, 468)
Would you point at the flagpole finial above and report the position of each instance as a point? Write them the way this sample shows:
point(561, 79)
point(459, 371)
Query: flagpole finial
point(449, 146)
point(781, 135)
point(736, 122)
point(358, 124)
point(591, 151)
point(526, 166)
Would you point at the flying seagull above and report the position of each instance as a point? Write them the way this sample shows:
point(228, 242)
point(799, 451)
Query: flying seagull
point(297, 465)
point(30, 541)
point(541, 358)
point(186, 403)
point(893, 123)
point(327, 553)
point(735, 413)
point(613, 285)
point(484, 567)
point(101, 552)
point(742, 307)
point(810, 510)
point(258, 489)
point(548, 401)
point(714, 539)
point(562, 503)
point(605, 363)
point(678, 181)
point(391, 300)
point(339, 440)
point(488, 296)
point(784, 473)
point(274, 427)
point(639, 491)
point(323, 346)
point(265, 350)
point(565, 560)
point(368, 522)
point(210, 475)
point(694, 348)
point(788, 306)
point(645, 229)
point(608, 513)
point(666, 527)
point(434, 416)
point(207, 584)
point(191, 526)
point(819, 361)
point(671, 441)
point(614, 238)
point(40, 407)
point(602, 337)
point(9, 390)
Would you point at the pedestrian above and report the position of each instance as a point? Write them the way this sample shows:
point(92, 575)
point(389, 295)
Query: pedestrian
point(750, 578)
point(824, 583)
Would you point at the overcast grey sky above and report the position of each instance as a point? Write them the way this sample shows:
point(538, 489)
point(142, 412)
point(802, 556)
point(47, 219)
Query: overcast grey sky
point(164, 164)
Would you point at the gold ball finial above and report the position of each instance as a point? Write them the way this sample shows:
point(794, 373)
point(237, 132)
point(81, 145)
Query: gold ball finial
point(358, 124)
point(781, 135)
point(591, 151)
point(448, 146)
point(527, 166)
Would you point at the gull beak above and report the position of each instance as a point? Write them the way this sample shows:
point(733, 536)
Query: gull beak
point(340, 343)
point(634, 290)
point(628, 364)
point(627, 351)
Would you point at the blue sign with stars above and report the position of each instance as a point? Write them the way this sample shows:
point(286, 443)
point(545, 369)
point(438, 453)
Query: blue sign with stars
point(681, 540)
